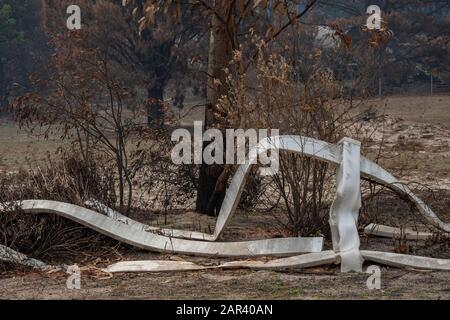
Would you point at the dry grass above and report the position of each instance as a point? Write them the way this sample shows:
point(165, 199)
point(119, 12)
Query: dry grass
point(434, 110)
point(17, 148)
point(317, 283)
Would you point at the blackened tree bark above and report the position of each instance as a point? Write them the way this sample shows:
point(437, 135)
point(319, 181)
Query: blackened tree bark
point(3, 93)
point(212, 182)
point(157, 63)
point(155, 112)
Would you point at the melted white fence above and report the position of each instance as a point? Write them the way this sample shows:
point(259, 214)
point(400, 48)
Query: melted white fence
point(343, 220)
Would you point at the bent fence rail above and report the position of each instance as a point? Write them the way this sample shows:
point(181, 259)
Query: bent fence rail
point(343, 219)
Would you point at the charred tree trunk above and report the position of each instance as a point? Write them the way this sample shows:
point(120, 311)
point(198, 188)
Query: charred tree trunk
point(155, 112)
point(211, 188)
point(3, 93)
point(3, 104)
